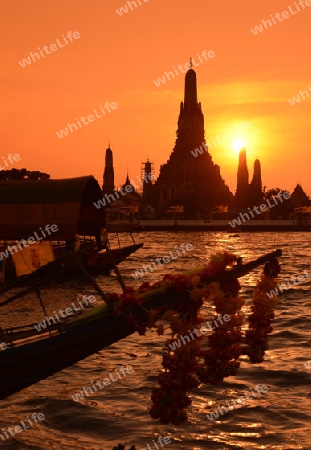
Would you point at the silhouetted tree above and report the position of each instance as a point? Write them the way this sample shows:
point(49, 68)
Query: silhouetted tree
point(23, 174)
point(299, 197)
point(280, 209)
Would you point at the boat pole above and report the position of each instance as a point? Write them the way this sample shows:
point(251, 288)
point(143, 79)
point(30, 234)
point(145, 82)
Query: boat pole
point(119, 276)
point(93, 282)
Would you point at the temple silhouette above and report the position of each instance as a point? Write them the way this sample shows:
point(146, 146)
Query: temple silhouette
point(248, 194)
point(108, 179)
point(193, 182)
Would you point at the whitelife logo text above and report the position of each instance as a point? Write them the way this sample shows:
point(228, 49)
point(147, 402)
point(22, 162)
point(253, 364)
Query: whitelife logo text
point(165, 259)
point(170, 75)
point(110, 198)
point(36, 417)
point(86, 120)
point(48, 229)
point(259, 209)
point(198, 151)
point(48, 321)
point(10, 158)
point(105, 382)
point(301, 96)
point(124, 9)
point(53, 47)
point(285, 15)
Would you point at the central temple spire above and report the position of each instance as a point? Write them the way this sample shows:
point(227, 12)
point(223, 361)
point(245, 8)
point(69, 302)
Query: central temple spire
point(189, 178)
point(190, 86)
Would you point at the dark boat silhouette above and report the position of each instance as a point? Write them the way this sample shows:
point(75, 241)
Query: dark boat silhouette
point(28, 206)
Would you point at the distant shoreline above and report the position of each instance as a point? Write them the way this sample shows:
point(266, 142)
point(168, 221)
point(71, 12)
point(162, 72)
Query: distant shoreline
point(205, 225)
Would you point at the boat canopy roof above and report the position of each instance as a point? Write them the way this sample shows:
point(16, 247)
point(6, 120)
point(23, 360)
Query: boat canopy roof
point(27, 205)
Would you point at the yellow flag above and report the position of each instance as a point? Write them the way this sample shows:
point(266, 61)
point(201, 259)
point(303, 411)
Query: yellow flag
point(134, 208)
point(32, 258)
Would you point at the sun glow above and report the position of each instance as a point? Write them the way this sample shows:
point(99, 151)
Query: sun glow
point(238, 144)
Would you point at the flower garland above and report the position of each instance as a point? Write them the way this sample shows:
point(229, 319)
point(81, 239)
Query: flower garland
point(170, 400)
point(182, 369)
point(188, 365)
point(220, 360)
point(224, 343)
point(256, 337)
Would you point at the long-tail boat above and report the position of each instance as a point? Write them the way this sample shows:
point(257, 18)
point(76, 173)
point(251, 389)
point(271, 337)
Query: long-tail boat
point(30, 208)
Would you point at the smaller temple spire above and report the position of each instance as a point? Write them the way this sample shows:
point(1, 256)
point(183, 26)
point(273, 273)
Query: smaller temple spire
point(255, 187)
point(242, 175)
point(108, 179)
point(256, 181)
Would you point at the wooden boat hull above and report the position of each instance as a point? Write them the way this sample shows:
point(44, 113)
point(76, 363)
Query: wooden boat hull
point(99, 263)
point(104, 263)
point(29, 363)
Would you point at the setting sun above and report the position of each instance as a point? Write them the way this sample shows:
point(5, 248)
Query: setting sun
point(238, 144)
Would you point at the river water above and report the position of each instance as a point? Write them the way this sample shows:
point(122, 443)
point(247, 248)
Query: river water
point(118, 413)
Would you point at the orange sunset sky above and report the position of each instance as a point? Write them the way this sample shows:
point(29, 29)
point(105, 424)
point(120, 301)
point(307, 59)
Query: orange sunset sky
point(117, 58)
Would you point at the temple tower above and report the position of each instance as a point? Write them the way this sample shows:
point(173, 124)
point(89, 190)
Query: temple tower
point(147, 175)
point(256, 181)
point(256, 196)
point(108, 179)
point(248, 194)
point(242, 189)
point(188, 180)
point(242, 175)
